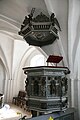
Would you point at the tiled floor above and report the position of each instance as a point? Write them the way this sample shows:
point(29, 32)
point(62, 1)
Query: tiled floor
point(20, 110)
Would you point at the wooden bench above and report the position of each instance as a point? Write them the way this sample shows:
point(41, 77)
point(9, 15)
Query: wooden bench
point(21, 99)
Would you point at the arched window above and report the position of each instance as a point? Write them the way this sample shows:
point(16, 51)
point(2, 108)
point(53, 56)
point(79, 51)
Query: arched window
point(37, 60)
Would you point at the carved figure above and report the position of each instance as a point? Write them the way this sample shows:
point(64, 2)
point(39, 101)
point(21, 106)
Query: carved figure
point(26, 21)
point(27, 83)
point(28, 18)
point(54, 21)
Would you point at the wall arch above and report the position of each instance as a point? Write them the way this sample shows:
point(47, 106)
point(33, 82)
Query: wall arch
point(10, 21)
point(6, 73)
point(25, 61)
point(3, 58)
point(2, 77)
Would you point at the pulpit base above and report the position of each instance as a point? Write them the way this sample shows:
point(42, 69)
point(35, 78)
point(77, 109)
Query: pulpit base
point(67, 115)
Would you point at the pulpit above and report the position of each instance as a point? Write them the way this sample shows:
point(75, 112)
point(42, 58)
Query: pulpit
point(47, 88)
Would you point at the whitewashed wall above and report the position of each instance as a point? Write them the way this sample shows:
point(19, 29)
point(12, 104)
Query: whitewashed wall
point(59, 47)
point(74, 52)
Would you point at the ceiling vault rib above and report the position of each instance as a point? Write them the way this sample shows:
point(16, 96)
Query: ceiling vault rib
point(10, 21)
